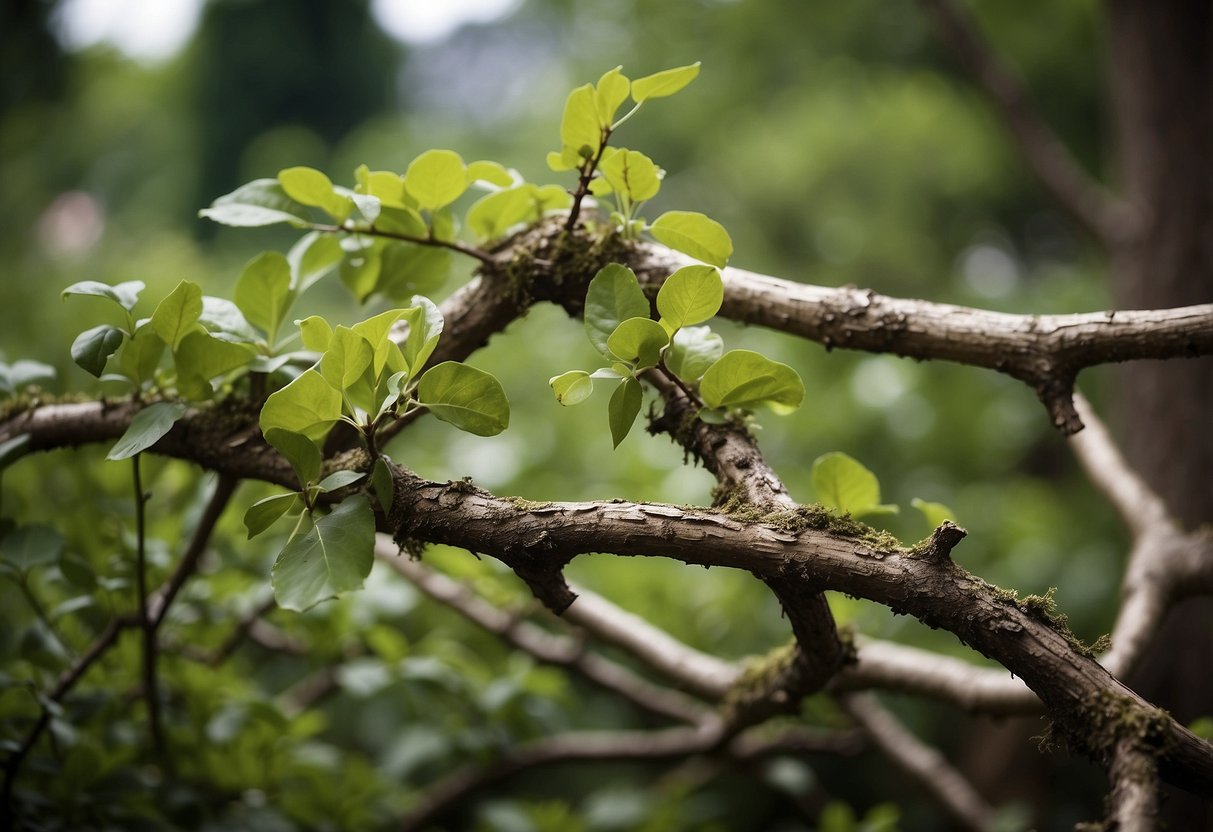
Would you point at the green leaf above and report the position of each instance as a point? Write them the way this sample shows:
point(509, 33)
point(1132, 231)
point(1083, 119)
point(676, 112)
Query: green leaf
point(492, 215)
point(436, 178)
point(205, 357)
point(666, 82)
point(632, 173)
point(310, 259)
point(623, 409)
point(690, 295)
point(692, 351)
point(124, 294)
point(638, 341)
point(13, 449)
point(315, 333)
point(264, 513)
point(146, 429)
point(383, 484)
point(93, 347)
point(28, 547)
point(611, 90)
point(470, 399)
point(339, 479)
point(935, 513)
point(494, 173)
point(408, 269)
point(572, 387)
point(260, 202)
point(263, 292)
point(309, 186)
point(614, 295)
point(843, 483)
point(224, 320)
point(745, 379)
point(177, 314)
point(425, 328)
point(308, 405)
point(335, 556)
point(376, 330)
point(579, 128)
point(347, 358)
point(302, 453)
point(360, 273)
point(401, 220)
point(22, 373)
point(694, 234)
point(384, 184)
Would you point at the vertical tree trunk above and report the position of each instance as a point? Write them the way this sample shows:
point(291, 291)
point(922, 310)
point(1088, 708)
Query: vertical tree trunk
point(1161, 74)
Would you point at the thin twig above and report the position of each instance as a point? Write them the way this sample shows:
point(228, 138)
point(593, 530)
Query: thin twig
point(151, 691)
point(454, 245)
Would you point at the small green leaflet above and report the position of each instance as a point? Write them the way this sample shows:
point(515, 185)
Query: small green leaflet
point(260, 202)
point(611, 90)
point(745, 379)
point(638, 342)
point(470, 399)
point(93, 347)
point(177, 314)
point(436, 178)
point(146, 429)
point(690, 295)
point(692, 350)
point(614, 295)
point(140, 355)
point(383, 484)
point(315, 333)
point(935, 513)
point(339, 479)
point(301, 452)
point(264, 513)
point(572, 387)
point(580, 132)
point(124, 294)
point(485, 170)
point(624, 408)
point(334, 556)
point(666, 82)
point(309, 186)
point(695, 234)
point(841, 482)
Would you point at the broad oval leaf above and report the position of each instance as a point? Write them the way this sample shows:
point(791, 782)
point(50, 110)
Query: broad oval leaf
point(309, 186)
point(263, 292)
point(580, 131)
point(695, 234)
point(842, 482)
point(335, 556)
point(206, 357)
point(140, 355)
point(348, 356)
point(666, 82)
point(264, 513)
point(177, 314)
point(614, 295)
point(93, 347)
point(436, 178)
point(690, 295)
point(485, 170)
point(633, 174)
point(745, 379)
point(124, 294)
point(638, 341)
point(260, 202)
point(624, 408)
point(470, 399)
point(146, 429)
point(308, 405)
point(572, 387)
point(692, 351)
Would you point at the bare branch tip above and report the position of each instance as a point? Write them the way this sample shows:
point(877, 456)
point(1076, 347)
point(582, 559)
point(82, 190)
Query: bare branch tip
point(943, 540)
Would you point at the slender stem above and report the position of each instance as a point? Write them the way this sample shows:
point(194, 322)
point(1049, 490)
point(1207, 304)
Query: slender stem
point(151, 690)
point(454, 245)
point(583, 184)
point(626, 116)
point(691, 395)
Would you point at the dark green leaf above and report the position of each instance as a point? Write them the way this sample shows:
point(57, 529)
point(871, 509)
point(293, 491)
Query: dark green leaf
point(146, 429)
point(340, 479)
point(264, 513)
point(22, 373)
point(623, 409)
point(140, 356)
point(27, 547)
point(177, 315)
point(301, 452)
point(93, 347)
point(335, 556)
point(383, 484)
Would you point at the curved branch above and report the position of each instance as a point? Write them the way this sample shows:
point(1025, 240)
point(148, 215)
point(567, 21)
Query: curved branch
point(1107, 217)
point(1134, 798)
point(1046, 352)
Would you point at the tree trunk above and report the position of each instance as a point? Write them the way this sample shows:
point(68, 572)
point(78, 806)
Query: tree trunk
point(1161, 74)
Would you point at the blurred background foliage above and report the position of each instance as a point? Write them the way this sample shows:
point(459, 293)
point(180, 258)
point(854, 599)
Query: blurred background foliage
point(835, 142)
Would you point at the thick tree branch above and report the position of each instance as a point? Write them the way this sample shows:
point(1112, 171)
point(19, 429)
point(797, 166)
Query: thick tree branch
point(1105, 216)
point(1134, 798)
point(923, 763)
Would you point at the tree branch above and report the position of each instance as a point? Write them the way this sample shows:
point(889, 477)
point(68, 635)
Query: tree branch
point(924, 764)
point(1105, 216)
point(1134, 798)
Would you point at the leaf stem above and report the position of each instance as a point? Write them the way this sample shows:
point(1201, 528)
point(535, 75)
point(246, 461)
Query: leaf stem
point(583, 184)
